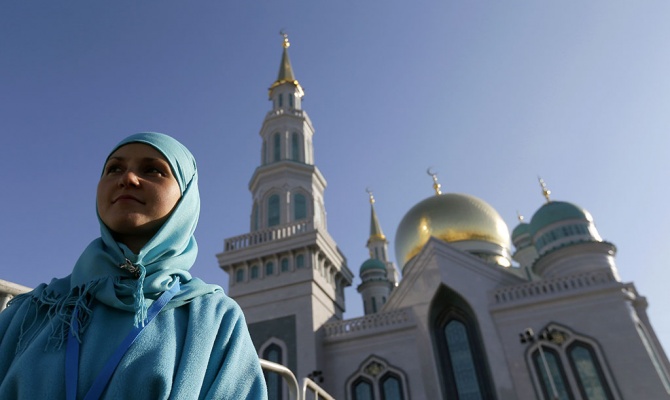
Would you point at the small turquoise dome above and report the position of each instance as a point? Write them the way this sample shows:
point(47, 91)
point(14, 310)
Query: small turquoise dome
point(521, 236)
point(556, 211)
point(521, 229)
point(372, 264)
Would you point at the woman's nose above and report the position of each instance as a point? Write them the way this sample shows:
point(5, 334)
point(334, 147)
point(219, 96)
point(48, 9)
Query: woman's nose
point(129, 178)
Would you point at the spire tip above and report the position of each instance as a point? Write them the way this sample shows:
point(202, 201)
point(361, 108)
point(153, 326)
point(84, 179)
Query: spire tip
point(436, 184)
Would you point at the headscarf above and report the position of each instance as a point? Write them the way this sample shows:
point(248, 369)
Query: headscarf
point(166, 257)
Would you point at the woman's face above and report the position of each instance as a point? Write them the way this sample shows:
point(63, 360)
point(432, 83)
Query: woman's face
point(136, 194)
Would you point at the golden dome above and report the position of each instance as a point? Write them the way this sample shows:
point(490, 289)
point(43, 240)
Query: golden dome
point(453, 218)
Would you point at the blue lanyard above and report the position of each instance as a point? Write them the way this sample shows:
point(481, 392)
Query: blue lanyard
point(101, 381)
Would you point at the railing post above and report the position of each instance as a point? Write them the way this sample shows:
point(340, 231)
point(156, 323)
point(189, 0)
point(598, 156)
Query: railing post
point(289, 378)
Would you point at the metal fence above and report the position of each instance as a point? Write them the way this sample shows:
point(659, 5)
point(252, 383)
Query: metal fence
point(309, 390)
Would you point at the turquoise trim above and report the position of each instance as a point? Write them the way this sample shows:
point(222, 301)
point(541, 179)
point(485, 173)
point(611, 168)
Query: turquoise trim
point(556, 211)
point(372, 264)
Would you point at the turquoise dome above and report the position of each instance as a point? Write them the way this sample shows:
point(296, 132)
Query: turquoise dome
point(556, 211)
point(521, 229)
point(371, 264)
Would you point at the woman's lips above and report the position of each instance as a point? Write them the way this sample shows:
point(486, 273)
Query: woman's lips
point(126, 197)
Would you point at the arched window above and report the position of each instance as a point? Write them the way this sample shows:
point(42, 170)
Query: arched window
point(269, 268)
point(284, 265)
point(290, 100)
point(274, 382)
point(281, 100)
point(273, 210)
point(276, 147)
point(239, 275)
point(391, 387)
point(300, 261)
point(559, 354)
point(295, 146)
point(362, 390)
point(299, 206)
point(377, 380)
point(254, 272)
point(462, 360)
point(589, 374)
point(554, 384)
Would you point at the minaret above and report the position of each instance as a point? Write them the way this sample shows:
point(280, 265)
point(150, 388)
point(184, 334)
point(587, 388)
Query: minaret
point(378, 275)
point(378, 245)
point(287, 273)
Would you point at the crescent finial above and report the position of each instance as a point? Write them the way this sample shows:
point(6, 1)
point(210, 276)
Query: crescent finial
point(436, 184)
point(369, 192)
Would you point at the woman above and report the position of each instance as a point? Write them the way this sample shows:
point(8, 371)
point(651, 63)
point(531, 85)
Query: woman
point(130, 321)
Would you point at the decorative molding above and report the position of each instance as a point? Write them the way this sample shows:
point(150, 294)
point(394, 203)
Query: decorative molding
point(555, 286)
point(368, 324)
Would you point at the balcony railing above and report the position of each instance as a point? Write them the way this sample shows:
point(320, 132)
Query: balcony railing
point(267, 235)
point(296, 392)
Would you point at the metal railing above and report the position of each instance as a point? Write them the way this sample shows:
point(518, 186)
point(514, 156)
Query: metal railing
point(294, 391)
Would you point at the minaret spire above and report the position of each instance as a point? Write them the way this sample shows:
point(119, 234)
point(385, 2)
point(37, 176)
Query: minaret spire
point(545, 191)
point(285, 74)
point(375, 228)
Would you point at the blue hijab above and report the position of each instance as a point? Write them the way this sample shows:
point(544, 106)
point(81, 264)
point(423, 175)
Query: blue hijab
point(166, 257)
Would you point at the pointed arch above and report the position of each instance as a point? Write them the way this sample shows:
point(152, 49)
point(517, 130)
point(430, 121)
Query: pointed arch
point(274, 349)
point(464, 368)
point(564, 363)
point(377, 379)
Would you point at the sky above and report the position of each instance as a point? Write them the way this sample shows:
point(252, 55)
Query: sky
point(488, 94)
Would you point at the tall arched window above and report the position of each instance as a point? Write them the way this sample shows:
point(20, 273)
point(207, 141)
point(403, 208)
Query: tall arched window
point(554, 384)
point(290, 100)
point(462, 360)
point(281, 100)
point(269, 268)
point(284, 265)
point(391, 387)
point(295, 146)
point(273, 210)
point(254, 272)
point(299, 206)
point(362, 390)
point(276, 147)
point(589, 374)
point(239, 275)
point(272, 379)
point(300, 261)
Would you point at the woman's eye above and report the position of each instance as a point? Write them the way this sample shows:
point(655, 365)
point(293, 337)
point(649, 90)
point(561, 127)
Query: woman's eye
point(155, 171)
point(112, 168)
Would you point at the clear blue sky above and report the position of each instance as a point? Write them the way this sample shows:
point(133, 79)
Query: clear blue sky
point(490, 94)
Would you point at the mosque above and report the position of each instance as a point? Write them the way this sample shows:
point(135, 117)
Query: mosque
point(472, 317)
point(478, 313)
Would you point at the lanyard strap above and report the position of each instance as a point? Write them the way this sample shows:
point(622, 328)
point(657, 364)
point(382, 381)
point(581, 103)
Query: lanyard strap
point(100, 383)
